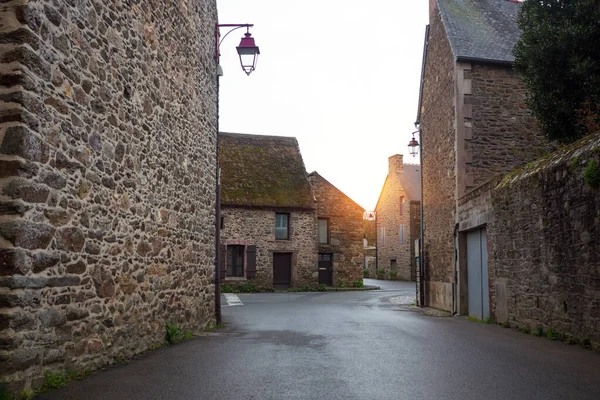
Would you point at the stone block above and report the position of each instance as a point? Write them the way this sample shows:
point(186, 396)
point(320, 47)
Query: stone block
point(57, 216)
point(14, 261)
point(21, 168)
point(27, 234)
point(51, 317)
point(27, 191)
point(43, 261)
point(19, 359)
point(70, 239)
point(76, 313)
point(77, 267)
point(20, 141)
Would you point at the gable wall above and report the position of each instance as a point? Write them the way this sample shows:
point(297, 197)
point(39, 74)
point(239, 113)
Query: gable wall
point(389, 217)
point(107, 160)
point(504, 135)
point(345, 230)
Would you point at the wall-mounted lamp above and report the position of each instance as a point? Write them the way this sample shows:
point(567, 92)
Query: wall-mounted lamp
point(413, 145)
point(247, 50)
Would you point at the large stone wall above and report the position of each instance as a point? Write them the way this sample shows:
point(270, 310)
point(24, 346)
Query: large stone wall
point(108, 134)
point(438, 135)
point(250, 226)
point(346, 231)
point(543, 240)
point(390, 218)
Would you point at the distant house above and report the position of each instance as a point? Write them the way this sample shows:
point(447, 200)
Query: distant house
point(340, 234)
point(268, 213)
point(474, 125)
point(398, 219)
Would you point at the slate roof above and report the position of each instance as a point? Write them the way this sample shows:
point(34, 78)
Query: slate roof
point(410, 177)
point(482, 30)
point(263, 171)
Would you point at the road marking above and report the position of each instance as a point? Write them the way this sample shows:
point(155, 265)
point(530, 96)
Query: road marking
point(233, 299)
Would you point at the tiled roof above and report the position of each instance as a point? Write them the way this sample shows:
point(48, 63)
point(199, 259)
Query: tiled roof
point(263, 171)
point(484, 30)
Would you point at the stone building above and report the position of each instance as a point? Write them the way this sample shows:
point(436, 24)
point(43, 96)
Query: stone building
point(268, 213)
point(398, 219)
point(108, 134)
point(474, 124)
point(340, 234)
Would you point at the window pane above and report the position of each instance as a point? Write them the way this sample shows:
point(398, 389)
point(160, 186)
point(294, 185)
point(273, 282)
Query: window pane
point(323, 231)
point(235, 260)
point(402, 233)
point(281, 226)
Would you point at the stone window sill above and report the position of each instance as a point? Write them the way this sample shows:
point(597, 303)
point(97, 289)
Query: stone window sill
point(235, 278)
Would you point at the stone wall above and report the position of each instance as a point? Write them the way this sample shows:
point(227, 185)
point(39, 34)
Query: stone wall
point(391, 214)
point(544, 240)
point(438, 135)
point(346, 231)
point(108, 113)
point(248, 226)
point(504, 133)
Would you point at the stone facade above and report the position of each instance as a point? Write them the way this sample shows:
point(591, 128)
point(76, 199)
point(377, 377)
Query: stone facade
point(439, 166)
point(395, 218)
point(108, 114)
point(474, 125)
point(346, 231)
point(541, 224)
point(256, 227)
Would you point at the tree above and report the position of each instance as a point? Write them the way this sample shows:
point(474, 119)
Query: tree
point(558, 56)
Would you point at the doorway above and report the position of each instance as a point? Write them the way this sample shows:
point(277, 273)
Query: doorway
point(282, 270)
point(325, 269)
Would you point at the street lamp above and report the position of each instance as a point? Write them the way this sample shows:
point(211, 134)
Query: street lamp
point(247, 50)
point(413, 145)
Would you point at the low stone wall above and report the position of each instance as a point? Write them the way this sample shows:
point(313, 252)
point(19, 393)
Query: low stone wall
point(543, 225)
point(108, 113)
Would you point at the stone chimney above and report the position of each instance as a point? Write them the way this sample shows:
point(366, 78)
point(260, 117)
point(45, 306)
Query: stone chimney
point(395, 163)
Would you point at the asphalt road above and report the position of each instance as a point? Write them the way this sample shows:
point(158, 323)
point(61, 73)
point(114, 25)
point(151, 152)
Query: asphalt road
point(349, 345)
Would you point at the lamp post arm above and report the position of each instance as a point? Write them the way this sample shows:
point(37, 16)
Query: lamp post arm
point(218, 42)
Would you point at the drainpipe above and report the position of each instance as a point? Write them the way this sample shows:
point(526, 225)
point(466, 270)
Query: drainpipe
point(217, 221)
point(454, 274)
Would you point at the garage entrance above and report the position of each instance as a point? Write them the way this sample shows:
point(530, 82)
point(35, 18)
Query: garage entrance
point(477, 274)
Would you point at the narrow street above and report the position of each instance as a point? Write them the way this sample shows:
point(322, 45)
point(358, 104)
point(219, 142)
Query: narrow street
point(349, 345)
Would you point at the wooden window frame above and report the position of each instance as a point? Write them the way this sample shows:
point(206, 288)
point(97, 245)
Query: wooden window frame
point(287, 228)
point(319, 231)
point(234, 274)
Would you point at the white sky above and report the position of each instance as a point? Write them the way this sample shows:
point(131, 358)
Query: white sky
point(342, 76)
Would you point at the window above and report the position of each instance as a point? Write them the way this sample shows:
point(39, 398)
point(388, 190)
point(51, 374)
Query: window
point(235, 260)
point(401, 205)
point(282, 226)
point(401, 233)
point(323, 231)
point(393, 265)
point(382, 237)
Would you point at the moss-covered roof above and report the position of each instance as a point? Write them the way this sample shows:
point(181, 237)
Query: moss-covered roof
point(263, 171)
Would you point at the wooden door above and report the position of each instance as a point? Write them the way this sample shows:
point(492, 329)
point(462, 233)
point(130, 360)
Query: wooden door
point(282, 270)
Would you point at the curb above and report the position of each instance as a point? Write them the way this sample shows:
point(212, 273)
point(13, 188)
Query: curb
point(353, 289)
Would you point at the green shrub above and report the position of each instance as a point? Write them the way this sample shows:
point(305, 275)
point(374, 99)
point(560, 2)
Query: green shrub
point(358, 284)
point(585, 343)
point(591, 176)
point(539, 331)
point(570, 340)
point(552, 334)
point(175, 334)
point(365, 273)
point(526, 330)
point(322, 287)
point(393, 275)
point(227, 289)
point(380, 273)
point(341, 284)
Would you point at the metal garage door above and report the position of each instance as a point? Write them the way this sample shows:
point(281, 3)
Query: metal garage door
point(477, 274)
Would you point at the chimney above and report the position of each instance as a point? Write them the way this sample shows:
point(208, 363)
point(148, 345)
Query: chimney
point(432, 8)
point(395, 164)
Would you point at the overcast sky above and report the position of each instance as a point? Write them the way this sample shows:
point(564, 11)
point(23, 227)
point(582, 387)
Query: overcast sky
point(342, 76)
